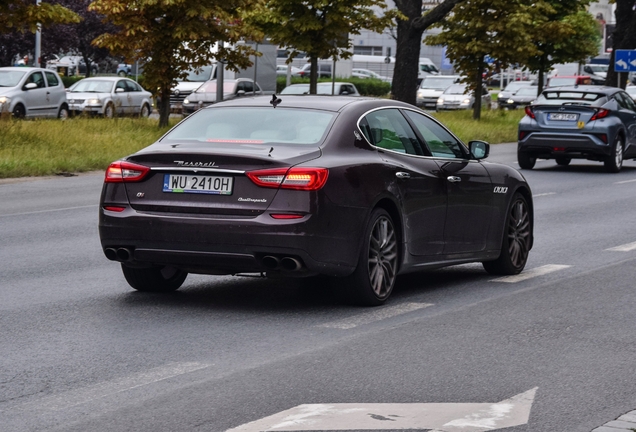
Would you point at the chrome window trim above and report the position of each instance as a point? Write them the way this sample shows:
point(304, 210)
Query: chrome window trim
point(411, 155)
point(197, 169)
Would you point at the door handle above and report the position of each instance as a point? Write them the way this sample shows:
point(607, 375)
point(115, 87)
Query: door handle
point(402, 175)
point(453, 179)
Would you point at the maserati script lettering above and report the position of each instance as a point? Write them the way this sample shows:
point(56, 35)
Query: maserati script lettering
point(196, 164)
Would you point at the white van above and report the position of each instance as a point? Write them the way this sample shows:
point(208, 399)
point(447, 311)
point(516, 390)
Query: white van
point(196, 77)
point(385, 65)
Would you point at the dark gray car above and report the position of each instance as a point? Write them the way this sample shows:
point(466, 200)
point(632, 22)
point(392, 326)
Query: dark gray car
point(579, 122)
point(354, 188)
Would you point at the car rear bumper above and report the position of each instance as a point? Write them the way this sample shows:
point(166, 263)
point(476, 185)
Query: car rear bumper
point(576, 146)
point(225, 245)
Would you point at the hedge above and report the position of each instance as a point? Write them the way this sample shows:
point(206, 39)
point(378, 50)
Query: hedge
point(365, 86)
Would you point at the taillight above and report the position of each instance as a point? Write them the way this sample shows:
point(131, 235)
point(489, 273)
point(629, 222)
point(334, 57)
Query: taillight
point(522, 135)
point(120, 172)
point(529, 112)
point(307, 179)
point(600, 113)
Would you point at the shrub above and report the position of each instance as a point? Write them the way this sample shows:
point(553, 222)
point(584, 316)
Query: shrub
point(70, 80)
point(365, 86)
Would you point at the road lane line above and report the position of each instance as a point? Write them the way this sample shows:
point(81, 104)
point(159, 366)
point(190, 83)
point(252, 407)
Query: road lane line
point(377, 315)
point(46, 211)
point(82, 395)
point(543, 194)
point(529, 274)
point(626, 181)
point(623, 248)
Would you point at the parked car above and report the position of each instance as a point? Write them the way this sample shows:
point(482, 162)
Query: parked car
point(281, 70)
point(458, 96)
point(522, 97)
point(323, 88)
point(355, 188)
point(324, 70)
point(232, 88)
point(579, 122)
point(74, 65)
point(561, 80)
point(124, 69)
point(109, 96)
point(432, 87)
point(29, 92)
point(631, 90)
point(511, 89)
point(366, 73)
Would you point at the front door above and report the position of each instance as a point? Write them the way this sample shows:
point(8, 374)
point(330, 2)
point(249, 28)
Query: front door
point(38, 100)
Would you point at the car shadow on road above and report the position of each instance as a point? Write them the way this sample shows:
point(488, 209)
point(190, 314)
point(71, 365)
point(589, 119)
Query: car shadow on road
point(582, 167)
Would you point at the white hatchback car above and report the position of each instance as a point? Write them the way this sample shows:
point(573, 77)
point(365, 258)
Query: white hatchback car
point(109, 96)
point(32, 92)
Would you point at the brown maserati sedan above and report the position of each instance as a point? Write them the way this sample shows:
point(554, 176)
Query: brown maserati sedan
point(355, 188)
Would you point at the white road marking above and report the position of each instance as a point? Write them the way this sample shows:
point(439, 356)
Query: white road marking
point(82, 395)
point(543, 194)
point(375, 315)
point(623, 248)
point(529, 274)
point(447, 417)
point(626, 181)
point(47, 211)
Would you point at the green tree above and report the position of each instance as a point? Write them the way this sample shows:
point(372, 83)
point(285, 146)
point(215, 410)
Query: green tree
point(479, 28)
point(411, 24)
point(24, 15)
point(321, 28)
point(563, 32)
point(171, 36)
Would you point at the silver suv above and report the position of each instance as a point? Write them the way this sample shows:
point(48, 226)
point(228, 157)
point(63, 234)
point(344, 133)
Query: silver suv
point(32, 92)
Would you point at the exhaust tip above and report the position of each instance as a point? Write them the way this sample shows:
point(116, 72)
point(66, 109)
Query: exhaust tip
point(111, 254)
point(271, 262)
point(124, 254)
point(290, 264)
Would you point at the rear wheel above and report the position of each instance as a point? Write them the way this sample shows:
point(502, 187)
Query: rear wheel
point(516, 240)
point(145, 111)
point(372, 282)
point(563, 161)
point(525, 160)
point(121, 73)
point(62, 114)
point(614, 162)
point(154, 279)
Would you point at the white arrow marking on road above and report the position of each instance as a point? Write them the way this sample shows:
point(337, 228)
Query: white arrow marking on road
point(375, 315)
point(622, 64)
point(529, 274)
point(443, 417)
point(623, 248)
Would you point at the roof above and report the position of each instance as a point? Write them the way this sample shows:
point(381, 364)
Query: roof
point(585, 88)
point(327, 103)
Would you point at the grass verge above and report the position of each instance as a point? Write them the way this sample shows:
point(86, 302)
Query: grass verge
point(47, 147)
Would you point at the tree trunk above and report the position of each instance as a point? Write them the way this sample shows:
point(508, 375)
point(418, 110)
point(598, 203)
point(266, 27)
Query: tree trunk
point(88, 66)
point(313, 75)
point(164, 107)
point(407, 54)
point(479, 81)
point(541, 74)
point(622, 39)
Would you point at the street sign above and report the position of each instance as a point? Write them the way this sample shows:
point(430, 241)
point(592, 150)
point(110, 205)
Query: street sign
point(625, 61)
point(456, 417)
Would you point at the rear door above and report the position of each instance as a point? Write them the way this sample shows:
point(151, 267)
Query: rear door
point(57, 94)
point(135, 97)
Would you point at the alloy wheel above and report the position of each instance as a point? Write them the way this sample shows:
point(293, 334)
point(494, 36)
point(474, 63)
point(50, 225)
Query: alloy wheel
point(518, 233)
point(618, 155)
point(383, 257)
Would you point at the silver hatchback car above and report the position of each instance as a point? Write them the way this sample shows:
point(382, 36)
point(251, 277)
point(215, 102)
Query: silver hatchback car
point(32, 92)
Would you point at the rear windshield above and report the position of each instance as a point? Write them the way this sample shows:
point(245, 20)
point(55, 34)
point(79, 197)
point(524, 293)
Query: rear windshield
point(253, 125)
point(571, 97)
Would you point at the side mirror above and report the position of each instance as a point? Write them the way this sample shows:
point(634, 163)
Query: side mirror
point(30, 86)
point(479, 149)
point(119, 90)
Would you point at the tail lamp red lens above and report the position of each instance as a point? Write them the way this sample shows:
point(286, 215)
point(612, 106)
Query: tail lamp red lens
point(286, 216)
point(529, 112)
point(124, 172)
point(115, 208)
point(522, 135)
point(307, 179)
point(600, 113)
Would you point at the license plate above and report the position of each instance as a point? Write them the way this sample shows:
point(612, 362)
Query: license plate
point(563, 117)
point(180, 183)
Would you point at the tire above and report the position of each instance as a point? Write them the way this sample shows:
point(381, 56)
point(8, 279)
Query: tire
point(614, 162)
point(121, 73)
point(145, 111)
point(515, 245)
point(373, 280)
point(525, 160)
point(19, 112)
point(154, 279)
point(563, 161)
point(63, 114)
point(109, 111)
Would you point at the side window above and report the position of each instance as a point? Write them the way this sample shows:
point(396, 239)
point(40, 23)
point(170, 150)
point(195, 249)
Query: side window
point(37, 78)
point(52, 79)
point(132, 86)
point(388, 129)
point(627, 101)
point(121, 85)
point(440, 142)
point(249, 88)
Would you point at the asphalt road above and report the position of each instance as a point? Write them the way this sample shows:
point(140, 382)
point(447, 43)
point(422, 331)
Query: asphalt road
point(81, 351)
